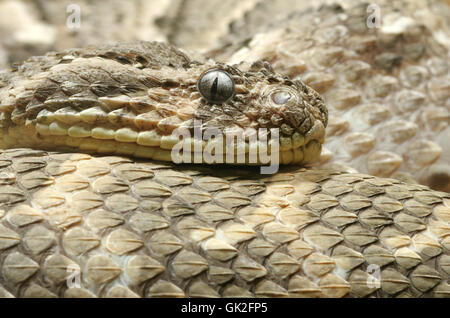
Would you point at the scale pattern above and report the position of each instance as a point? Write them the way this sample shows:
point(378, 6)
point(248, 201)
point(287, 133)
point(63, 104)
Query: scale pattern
point(387, 89)
point(123, 227)
point(136, 229)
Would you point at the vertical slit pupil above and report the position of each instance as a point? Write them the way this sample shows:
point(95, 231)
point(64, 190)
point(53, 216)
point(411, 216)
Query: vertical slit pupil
point(214, 87)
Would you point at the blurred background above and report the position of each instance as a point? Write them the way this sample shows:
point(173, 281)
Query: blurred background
point(34, 27)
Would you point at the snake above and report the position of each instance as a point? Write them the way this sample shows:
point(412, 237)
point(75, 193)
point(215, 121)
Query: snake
point(91, 204)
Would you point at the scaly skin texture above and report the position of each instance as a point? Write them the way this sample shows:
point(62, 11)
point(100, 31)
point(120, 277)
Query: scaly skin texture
point(387, 88)
point(124, 227)
point(140, 228)
point(143, 229)
point(270, 14)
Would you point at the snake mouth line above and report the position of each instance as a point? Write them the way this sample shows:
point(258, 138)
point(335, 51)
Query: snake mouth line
point(151, 145)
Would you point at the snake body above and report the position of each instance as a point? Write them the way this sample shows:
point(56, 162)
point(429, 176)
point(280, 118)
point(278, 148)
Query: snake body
point(107, 221)
point(386, 88)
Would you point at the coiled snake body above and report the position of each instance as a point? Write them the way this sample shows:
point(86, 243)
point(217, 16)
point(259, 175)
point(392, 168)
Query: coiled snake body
point(102, 222)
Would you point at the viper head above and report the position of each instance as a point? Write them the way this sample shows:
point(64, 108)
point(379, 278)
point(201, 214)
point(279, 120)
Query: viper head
point(135, 100)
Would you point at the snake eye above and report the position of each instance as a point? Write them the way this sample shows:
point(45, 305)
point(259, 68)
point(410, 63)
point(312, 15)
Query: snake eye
point(281, 97)
point(216, 86)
